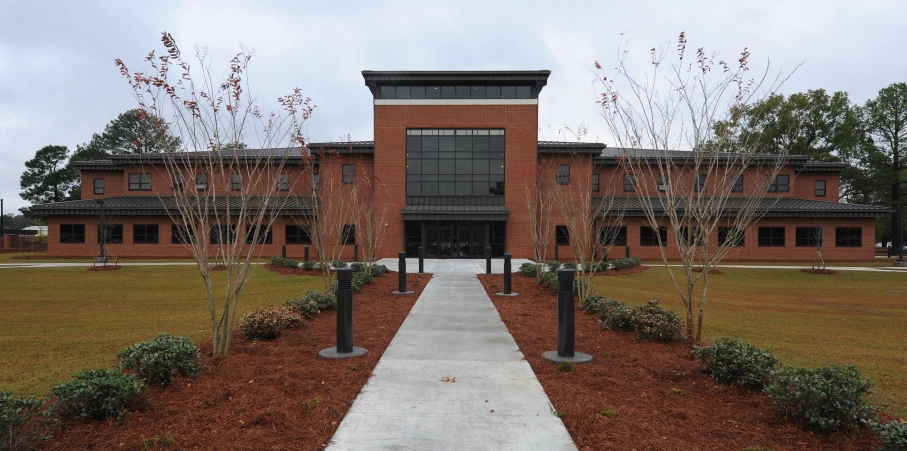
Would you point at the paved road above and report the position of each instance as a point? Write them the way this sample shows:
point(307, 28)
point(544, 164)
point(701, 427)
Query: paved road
point(453, 378)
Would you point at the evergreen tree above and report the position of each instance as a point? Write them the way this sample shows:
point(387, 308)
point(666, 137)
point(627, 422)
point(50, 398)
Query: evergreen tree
point(49, 178)
point(132, 132)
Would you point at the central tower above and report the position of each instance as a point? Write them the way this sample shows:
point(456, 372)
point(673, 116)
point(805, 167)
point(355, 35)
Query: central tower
point(454, 154)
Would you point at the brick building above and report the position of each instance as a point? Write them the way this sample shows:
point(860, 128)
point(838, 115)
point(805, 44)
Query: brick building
point(456, 153)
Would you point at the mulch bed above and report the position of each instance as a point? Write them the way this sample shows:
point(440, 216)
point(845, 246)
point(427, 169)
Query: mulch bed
point(285, 270)
point(827, 272)
point(264, 395)
point(623, 272)
point(105, 268)
point(662, 400)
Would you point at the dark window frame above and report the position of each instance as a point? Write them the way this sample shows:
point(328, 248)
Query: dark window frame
point(349, 174)
point(722, 237)
point(181, 234)
point(283, 182)
point(595, 183)
point(631, 186)
point(663, 183)
point(348, 234)
point(201, 182)
point(820, 192)
point(696, 235)
point(72, 233)
point(699, 184)
point(236, 182)
point(611, 236)
point(139, 182)
point(98, 188)
point(776, 186)
point(142, 234)
point(114, 233)
point(561, 235)
point(562, 176)
point(737, 186)
point(455, 162)
point(266, 238)
point(848, 237)
point(648, 237)
point(808, 237)
point(772, 236)
point(179, 182)
point(218, 231)
point(296, 234)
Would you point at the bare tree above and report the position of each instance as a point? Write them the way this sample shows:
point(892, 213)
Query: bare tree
point(538, 200)
point(371, 219)
point(719, 186)
point(223, 200)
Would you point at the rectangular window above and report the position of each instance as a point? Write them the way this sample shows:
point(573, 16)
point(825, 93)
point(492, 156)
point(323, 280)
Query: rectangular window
point(178, 183)
point(180, 234)
point(265, 235)
point(455, 162)
point(649, 237)
point(349, 174)
point(387, 92)
point(561, 235)
point(699, 185)
point(563, 174)
point(201, 182)
point(349, 234)
point(297, 235)
point(145, 234)
point(236, 182)
point(629, 183)
point(223, 234)
point(114, 233)
point(737, 187)
point(316, 182)
point(99, 186)
point(771, 236)
point(663, 183)
point(848, 236)
point(820, 188)
point(72, 233)
point(139, 182)
point(726, 237)
point(283, 182)
point(808, 236)
point(690, 236)
point(595, 186)
point(781, 184)
point(613, 236)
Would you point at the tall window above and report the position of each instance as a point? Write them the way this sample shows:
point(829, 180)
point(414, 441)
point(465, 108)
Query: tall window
point(283, 182)
point(629, 183)
point(848, 236)
point(297, 235)
point(737, 187)
point(808, 236)
point(236, 182)
point(72, 233)
point(265, 235)
point(563, 174)
point(139, 182)
point(561, 235)
point(179, 183)
point(349, 174)
point(613, 235)
point(349, 234)
point(781, 184)
point(145, 234)
point(699, 184)
point(771, 236)
point(201, 182)
point(595, 183)
point(316, 182)
point(726, 237)
point(819, 186)
point(223, 234)
point(99, 186)
point(650, 237)
point(454, 162)
point(663, 183)
point(180, 234)
point(114, 233)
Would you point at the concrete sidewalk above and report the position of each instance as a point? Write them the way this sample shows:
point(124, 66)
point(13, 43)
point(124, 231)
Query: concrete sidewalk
point(452, 379)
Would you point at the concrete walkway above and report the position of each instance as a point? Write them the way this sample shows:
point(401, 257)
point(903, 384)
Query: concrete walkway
point(452, 379)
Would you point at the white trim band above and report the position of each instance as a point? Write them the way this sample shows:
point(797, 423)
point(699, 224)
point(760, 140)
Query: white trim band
point(456, 101)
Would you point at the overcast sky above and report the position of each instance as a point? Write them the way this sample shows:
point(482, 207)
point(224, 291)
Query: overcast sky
point(58, 83)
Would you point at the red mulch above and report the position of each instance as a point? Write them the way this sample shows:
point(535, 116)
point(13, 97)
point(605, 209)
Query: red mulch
point(712, 271)
point(285, 270)
point(264, 395)
point(827, 272)
point(623, 272)
point(636, 380)
point(105, 268)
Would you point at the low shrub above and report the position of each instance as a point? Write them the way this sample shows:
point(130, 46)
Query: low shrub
point(267, 323)
point(357, 267)
point(652, 322)
point(529, 269)
point(619, 318)
point(21, 421)
point(893, 435)
point(569, 265)
point(305, 308)
point(625, 263)
point(360, 279)
point(310, 265)
point(98, 395)
point(378, 270)
point(822, 399)
point(158, 360)
point(284, 262)
point(595, 266)
point(733, 362)
point(599, 304)
point(337, 264)
point(549, 280)
point(552, 266)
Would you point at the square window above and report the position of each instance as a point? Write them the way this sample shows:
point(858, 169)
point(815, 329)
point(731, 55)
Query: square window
point(297, 235)
point(508, 92)
point(464, 167)
point(432, 92)
point(99, 186)
point(113, 235)
point(523, 92)
point(388, 92)
point(650, 237)
point(145, 234)
point(417, 92)
point(265, 235)
point(463, 92)
point(413, 188)
point(808, 236)
point(781, 184)
point(477, 92)
point(139, 182)
point(848, 236)
point(447, 143)
point(402, 92)
point(820, 188)
point(730, 237)
point(561, 235)
point(771, 236)
point(613, 236)
point(181, 234)
point(448, 92)
point(492, 92)
point(72, 233)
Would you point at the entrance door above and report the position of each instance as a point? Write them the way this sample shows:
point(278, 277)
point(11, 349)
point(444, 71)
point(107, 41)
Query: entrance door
point(471, 241)
point(439, 241)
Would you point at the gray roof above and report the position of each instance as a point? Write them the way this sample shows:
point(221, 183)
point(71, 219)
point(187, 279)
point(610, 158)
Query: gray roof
point(555, 147)
point(775, 207)
point(456, 212)
point(156, 206)
point(610, 153)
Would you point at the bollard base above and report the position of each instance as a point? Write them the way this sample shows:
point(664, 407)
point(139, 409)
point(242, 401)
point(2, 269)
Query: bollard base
point(506, 294)
point(402, 292)
point(331, 353)
point(578, 357)
point(900, 263)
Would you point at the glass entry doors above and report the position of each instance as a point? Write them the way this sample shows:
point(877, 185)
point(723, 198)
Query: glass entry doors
point(439, 241)
point(455, 240)
point(472, 241)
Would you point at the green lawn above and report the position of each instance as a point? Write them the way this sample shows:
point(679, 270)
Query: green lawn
point(807, 320)
point(9, 257)
point(56, 321)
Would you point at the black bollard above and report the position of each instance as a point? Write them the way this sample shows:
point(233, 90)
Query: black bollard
point(355, 253)
point(306, 253)
point(628, 251)
point(507, 277)
point(421, 260)
point(557, 249)
point(283, 251)
point(401, 288)
point(344, 296)
point(488, 260)
point(566, 333)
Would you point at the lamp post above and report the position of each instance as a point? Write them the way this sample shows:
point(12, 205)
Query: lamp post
point(566, 333)
point(102, 232)
point(2, 233)
point(900, 261)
